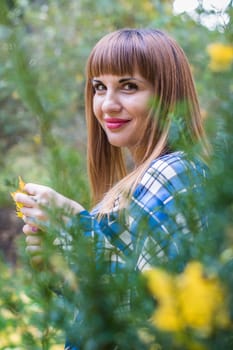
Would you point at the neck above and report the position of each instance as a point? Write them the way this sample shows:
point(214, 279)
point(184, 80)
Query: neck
point(137, 154)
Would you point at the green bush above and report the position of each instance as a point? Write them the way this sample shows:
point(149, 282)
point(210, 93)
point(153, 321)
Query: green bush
point(44, 46)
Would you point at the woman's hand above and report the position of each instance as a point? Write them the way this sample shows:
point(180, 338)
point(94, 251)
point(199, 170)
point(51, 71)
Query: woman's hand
point(34, 244)
point(37, 200)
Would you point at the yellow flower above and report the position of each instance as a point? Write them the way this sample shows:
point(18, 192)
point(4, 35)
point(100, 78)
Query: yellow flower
point(19, 190)
point(162, 287)
point(221, 56)
point(201, 299)
point(188, 300)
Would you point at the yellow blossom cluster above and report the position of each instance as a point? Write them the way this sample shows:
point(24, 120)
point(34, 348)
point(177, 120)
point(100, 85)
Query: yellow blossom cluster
point(19, 190)
point(190, 300)
point(221, 56)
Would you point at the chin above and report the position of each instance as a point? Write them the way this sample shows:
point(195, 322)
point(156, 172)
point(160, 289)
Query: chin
point(119, 141)
point(116, 144)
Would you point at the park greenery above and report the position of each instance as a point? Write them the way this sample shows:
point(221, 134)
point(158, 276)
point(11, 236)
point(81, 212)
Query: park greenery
point(44, 47)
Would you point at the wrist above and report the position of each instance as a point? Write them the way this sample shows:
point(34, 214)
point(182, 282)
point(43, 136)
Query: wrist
point(76, 207)
point(68, 204)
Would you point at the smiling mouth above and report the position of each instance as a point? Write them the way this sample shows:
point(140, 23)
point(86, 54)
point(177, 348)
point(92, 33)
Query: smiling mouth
point(115, 123)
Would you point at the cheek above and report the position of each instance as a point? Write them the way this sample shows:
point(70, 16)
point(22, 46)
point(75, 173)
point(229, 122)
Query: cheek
point(145, 111)
point(97, 111)
point(140, 111)
point(140, 105)
point(96, 104)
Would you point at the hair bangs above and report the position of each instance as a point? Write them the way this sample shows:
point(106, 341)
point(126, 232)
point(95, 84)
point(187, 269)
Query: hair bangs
point(118, 53)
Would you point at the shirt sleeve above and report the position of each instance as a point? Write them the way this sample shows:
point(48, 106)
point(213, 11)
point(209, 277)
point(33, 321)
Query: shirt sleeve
point(154, 223)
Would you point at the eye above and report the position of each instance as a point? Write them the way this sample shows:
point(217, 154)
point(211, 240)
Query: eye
point(130, 87)
point(99, 87)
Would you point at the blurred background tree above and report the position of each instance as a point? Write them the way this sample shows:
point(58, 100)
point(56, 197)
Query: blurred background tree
point(44, 47)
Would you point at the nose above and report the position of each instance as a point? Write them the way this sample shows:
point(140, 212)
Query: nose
point(111, 103)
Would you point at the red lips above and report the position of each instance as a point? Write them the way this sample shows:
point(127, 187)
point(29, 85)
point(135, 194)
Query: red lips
point(115, 123)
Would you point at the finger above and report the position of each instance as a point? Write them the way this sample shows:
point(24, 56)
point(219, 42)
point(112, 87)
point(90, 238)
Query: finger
point(33, 214)
point(33, 240)
point(32, 201)
point(27, 201)
point(42, 195)
point(33, 225)
point(31, 188)
point(30, 221)
point(33, 222)
point(35, 189)
point(34, 249)
point(29, 229)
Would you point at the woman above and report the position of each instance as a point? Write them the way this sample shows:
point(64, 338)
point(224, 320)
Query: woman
point(140, 97)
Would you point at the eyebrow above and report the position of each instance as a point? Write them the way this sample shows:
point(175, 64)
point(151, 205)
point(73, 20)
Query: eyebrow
point(126, 79)
point(123, 80)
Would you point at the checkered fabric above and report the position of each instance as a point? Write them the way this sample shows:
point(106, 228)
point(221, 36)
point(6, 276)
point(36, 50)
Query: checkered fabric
point(153, 224)
point(157, 218)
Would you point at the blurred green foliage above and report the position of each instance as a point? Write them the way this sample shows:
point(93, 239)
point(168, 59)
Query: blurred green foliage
point(44, 46)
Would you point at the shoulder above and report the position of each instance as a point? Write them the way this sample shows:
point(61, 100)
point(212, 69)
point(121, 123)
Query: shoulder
point(171, 165)
point(174, 171)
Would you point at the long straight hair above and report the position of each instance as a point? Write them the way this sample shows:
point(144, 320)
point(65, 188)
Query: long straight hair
point(162, 62)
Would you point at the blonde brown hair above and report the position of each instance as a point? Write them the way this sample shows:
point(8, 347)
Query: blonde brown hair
point(161, 61)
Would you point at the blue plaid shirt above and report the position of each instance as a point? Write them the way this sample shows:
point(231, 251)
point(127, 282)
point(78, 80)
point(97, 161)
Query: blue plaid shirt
point(153, 225)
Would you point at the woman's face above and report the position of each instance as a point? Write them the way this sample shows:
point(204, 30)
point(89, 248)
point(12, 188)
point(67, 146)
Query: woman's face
point(121, 105)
